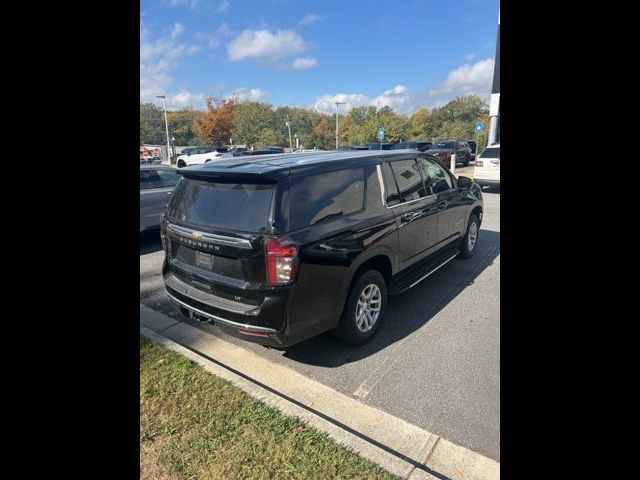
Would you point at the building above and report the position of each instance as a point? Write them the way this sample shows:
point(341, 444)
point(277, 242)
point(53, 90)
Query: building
point(494, 106)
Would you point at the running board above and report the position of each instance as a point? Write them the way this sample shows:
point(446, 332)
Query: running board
point(417, 274)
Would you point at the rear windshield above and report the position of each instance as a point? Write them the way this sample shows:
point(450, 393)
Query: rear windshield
point(443, 145)
point(234, 206)
point(491, 153)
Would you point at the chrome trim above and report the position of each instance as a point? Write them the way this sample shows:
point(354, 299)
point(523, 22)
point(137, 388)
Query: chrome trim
point(383, 190)
point(219, 239)
point(224, 321)
point(209, 298)
point(437, 268)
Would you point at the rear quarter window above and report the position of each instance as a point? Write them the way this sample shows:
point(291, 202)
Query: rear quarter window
point(320, 197)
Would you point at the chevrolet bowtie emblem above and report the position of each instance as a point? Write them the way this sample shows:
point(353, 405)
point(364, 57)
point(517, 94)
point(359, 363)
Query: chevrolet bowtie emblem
point(196, 234)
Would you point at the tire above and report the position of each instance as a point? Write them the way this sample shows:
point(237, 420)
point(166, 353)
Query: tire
point(181, 164)
point(369, 282)
point(468, 248)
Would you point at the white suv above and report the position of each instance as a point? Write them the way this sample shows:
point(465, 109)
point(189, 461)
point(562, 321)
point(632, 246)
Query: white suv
point(487, 168)
point(200, 155)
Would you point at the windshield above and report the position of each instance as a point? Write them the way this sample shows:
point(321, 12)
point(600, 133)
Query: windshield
point(234, 206)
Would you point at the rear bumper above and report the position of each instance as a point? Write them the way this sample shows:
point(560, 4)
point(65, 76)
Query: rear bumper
point(265, 324)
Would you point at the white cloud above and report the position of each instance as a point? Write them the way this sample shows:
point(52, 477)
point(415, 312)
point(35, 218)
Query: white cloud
point(310, 19)
point(301, 63)
point(465, 80)
point(266, 46)
point(186, 99)
point(214, 39)
point(470, 56)
point(177, 29)
point(249, 94)
point(399, 97)
point(474, 79)
point(223, 6)
point(159, 56)
point(178, 3)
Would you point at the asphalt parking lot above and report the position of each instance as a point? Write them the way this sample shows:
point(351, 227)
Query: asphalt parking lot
point(435, 361)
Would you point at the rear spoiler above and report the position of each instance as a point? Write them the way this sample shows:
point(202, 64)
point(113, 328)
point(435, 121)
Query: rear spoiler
point(228, 175)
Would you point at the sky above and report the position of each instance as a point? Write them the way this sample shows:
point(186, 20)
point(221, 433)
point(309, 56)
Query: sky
point(310, 53)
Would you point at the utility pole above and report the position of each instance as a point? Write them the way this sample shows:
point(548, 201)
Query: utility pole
point(166, 124)
point(338, 103)
point(289, 128)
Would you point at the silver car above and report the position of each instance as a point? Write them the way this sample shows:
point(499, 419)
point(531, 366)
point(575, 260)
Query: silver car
point(156, 185)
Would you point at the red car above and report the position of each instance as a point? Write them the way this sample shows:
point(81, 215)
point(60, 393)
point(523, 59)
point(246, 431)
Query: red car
point(443, 149)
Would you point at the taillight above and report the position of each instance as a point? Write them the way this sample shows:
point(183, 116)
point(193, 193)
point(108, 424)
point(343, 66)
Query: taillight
point(282, 262)
point(163, 233)
point(479, 163)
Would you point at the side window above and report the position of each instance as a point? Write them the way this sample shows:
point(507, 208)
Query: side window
point(408, 179)
point(147, 180)
point(390, 186)
point(315, 198)
point(437, 178)
point(168, 178)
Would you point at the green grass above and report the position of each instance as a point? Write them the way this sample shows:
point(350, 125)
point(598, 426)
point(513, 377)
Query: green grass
point(194, 425)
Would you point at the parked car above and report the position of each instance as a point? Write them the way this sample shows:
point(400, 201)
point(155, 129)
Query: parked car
point(156, 185)
point(444, 148)
point(353, 147)
point(376, 146)
point(200, 155)
point(473, 147)
point(264, 151)
point(419, 145)
point(487, 169)
point(278, 249)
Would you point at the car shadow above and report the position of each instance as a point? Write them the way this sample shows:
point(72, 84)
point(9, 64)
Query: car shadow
point(406, 312)
point(150, 241)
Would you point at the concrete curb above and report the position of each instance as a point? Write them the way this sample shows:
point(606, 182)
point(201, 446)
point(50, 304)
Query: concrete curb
point(398, 446)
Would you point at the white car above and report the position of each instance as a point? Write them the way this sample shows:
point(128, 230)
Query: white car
point(200, 155)
point(487, 168)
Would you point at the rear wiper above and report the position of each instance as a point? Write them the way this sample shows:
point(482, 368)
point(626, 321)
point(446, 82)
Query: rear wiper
point(328, 215)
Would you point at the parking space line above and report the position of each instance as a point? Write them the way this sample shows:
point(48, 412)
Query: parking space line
point(387, 364)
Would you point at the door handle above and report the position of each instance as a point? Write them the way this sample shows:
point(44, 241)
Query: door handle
point(169, 193)
point(407, 217)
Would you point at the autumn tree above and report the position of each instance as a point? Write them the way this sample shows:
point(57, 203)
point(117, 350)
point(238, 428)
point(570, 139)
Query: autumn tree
point(216, 124)
point(322, 136)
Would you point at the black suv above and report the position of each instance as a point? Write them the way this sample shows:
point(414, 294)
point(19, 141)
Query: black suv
point(420, 145)
point(281, 248)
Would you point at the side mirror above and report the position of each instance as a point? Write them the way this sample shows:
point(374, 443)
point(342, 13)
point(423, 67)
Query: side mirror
point(464, 183)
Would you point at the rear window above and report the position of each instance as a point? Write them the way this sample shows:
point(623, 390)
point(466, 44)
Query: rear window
point(443, 145)
point(317, 198)
point(234, 206)
point(491, 153)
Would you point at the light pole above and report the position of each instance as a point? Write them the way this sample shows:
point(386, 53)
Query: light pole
point(289, 128)
point(173, 148)
point(338, 103)
point(166, 124)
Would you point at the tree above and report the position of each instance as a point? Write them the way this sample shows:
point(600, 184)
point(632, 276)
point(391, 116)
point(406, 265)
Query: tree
point(322, 136)
point(216, 124)
point(270, 138)
point(422, 125)
point(181, 125)
point(251, 119)
point(152, 130)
